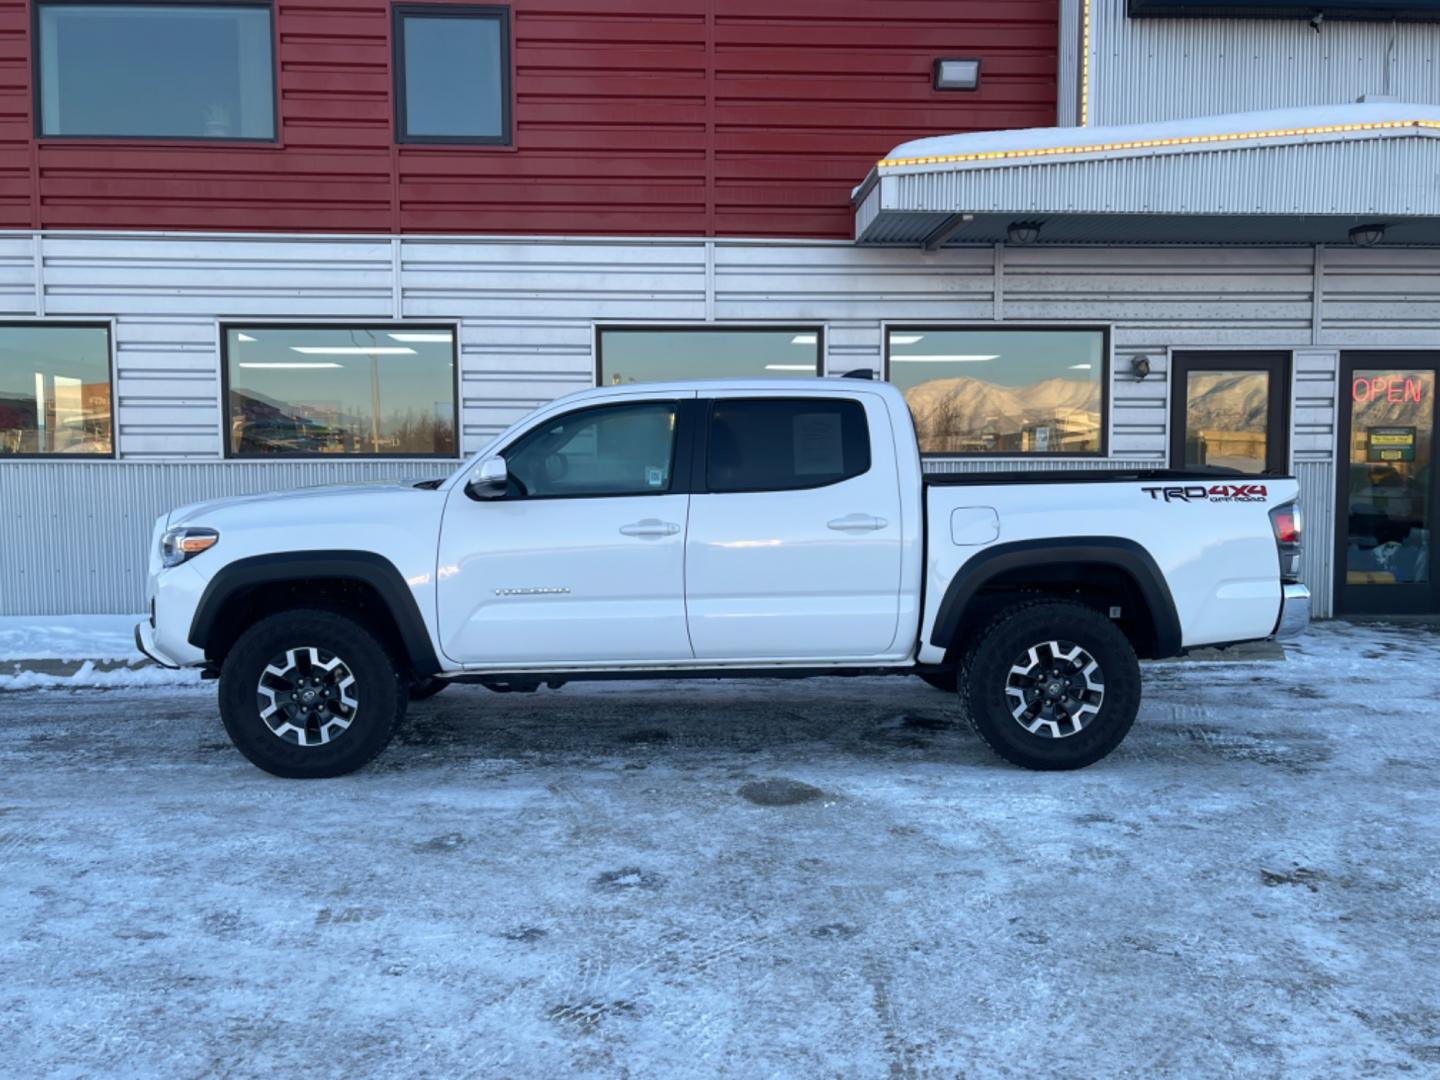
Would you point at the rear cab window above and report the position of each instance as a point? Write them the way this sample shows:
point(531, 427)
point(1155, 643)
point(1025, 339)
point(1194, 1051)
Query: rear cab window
point(785, 444)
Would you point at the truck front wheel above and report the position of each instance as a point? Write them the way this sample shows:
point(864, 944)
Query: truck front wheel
point(1051, 685)
point(310, 693)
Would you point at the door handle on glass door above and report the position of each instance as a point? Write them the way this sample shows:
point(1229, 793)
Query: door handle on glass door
point(858, 523)
point(650, 527)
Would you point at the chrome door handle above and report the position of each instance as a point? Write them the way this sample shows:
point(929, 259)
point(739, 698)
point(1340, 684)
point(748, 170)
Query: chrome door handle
point(858, 523)
point(650, 527)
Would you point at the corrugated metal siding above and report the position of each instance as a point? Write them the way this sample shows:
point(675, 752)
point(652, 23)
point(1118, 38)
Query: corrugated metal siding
point(1317, 497)
point(1067, 97)
point(669, 117)
point(1372, 175)
point(1170, 69)
point(74, 534)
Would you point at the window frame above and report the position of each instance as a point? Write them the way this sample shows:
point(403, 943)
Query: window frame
point(38, 120)
point(682, 449)
point(499, 12)
point(1277, 363)
point(224, 328)
point(1106, 368)
point(702, 439)
point(78, 324)
point(601, 329)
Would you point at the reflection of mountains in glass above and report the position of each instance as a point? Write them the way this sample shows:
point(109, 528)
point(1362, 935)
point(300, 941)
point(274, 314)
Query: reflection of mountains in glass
point(1226, 414)
point(260, 424)
point(968, 415)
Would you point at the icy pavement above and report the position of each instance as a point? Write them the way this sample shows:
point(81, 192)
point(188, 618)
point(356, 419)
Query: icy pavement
point(803, 879)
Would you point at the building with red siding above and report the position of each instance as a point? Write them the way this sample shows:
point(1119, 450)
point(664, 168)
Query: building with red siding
point(252, 244)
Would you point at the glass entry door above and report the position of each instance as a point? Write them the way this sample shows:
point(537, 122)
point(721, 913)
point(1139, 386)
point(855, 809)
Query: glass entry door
point(1386, 561)
point(1229, 411)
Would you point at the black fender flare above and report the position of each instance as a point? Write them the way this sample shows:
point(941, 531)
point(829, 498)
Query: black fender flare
point(371, 569)
point(1124, 554)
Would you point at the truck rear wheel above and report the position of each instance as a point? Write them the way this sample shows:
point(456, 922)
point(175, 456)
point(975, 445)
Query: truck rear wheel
point(310, 693)
point(1051, 685)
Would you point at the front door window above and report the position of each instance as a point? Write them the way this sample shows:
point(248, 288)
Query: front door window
point(1230, 411)
point(1388, 483)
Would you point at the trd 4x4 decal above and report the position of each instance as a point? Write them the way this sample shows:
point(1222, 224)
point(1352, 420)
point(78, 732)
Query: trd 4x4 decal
point(1214, 493)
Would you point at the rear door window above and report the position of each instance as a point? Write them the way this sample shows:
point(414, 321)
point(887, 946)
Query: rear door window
point(785, 444)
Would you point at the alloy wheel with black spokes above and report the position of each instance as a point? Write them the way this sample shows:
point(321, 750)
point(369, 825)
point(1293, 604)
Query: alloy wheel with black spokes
point(307, 696)
point(1055, 689)
point(1051, 684)
point(311, 693)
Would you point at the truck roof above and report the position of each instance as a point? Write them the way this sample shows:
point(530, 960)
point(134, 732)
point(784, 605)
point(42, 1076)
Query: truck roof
point(763, 383)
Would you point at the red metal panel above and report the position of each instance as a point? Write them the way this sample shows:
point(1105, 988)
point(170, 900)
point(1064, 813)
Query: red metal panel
point(635, 117)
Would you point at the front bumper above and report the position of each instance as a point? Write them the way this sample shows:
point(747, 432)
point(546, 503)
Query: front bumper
point(145, 642)
point(1294, 612)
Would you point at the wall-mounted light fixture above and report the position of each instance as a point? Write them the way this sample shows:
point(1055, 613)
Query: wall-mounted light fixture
point(954, 73)
point(1140, 366)
point(1023, 232)
point(1367, 235)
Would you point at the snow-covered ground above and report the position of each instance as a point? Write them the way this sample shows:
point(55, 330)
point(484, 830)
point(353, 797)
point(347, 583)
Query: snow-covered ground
point(823, 878)
point(68, 637)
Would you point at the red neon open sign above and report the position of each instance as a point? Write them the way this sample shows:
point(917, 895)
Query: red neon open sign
point(1391, 388)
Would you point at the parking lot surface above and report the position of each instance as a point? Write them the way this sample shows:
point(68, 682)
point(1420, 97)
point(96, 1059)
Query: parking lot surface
point(811, 878)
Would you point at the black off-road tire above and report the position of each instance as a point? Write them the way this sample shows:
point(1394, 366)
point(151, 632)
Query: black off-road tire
point(379, 689)
point(986, 667)
point(427, 688)
point(947, 680)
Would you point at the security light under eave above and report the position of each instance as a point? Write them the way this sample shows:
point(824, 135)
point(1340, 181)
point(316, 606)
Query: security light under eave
point(1023, 232)
point(1367, 235)
point(956, 73)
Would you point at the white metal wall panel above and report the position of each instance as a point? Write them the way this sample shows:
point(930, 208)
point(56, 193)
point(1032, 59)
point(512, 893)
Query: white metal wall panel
point(1391, 292)
point(74, 533)
point(1313, 412)
point(1179, 296)
point(819, 282)
point(17, 275)
point(1170, 69)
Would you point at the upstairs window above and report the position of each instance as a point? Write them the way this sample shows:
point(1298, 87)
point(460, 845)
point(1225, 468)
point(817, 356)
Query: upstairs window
point(452, 74)
point(169, 71)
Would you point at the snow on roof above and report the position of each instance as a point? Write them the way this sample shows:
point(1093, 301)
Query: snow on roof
point(1278, 123)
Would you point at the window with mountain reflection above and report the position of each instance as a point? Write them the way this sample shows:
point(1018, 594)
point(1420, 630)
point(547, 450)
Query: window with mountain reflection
point(1003, 390)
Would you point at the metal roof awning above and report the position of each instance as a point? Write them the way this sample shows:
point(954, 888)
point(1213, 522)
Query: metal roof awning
point(1284, 176)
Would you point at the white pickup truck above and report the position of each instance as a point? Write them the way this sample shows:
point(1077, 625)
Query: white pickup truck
point(712, 529)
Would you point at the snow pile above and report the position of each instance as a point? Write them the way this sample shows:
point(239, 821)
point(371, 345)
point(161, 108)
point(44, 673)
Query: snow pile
point(39, 652)
point(112, 678)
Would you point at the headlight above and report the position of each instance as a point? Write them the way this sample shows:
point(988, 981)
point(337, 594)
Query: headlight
point(178, 545)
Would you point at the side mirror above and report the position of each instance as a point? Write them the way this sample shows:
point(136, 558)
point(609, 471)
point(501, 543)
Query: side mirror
point(489, 479)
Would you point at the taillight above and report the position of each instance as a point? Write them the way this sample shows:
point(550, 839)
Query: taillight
point(1287, 523)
